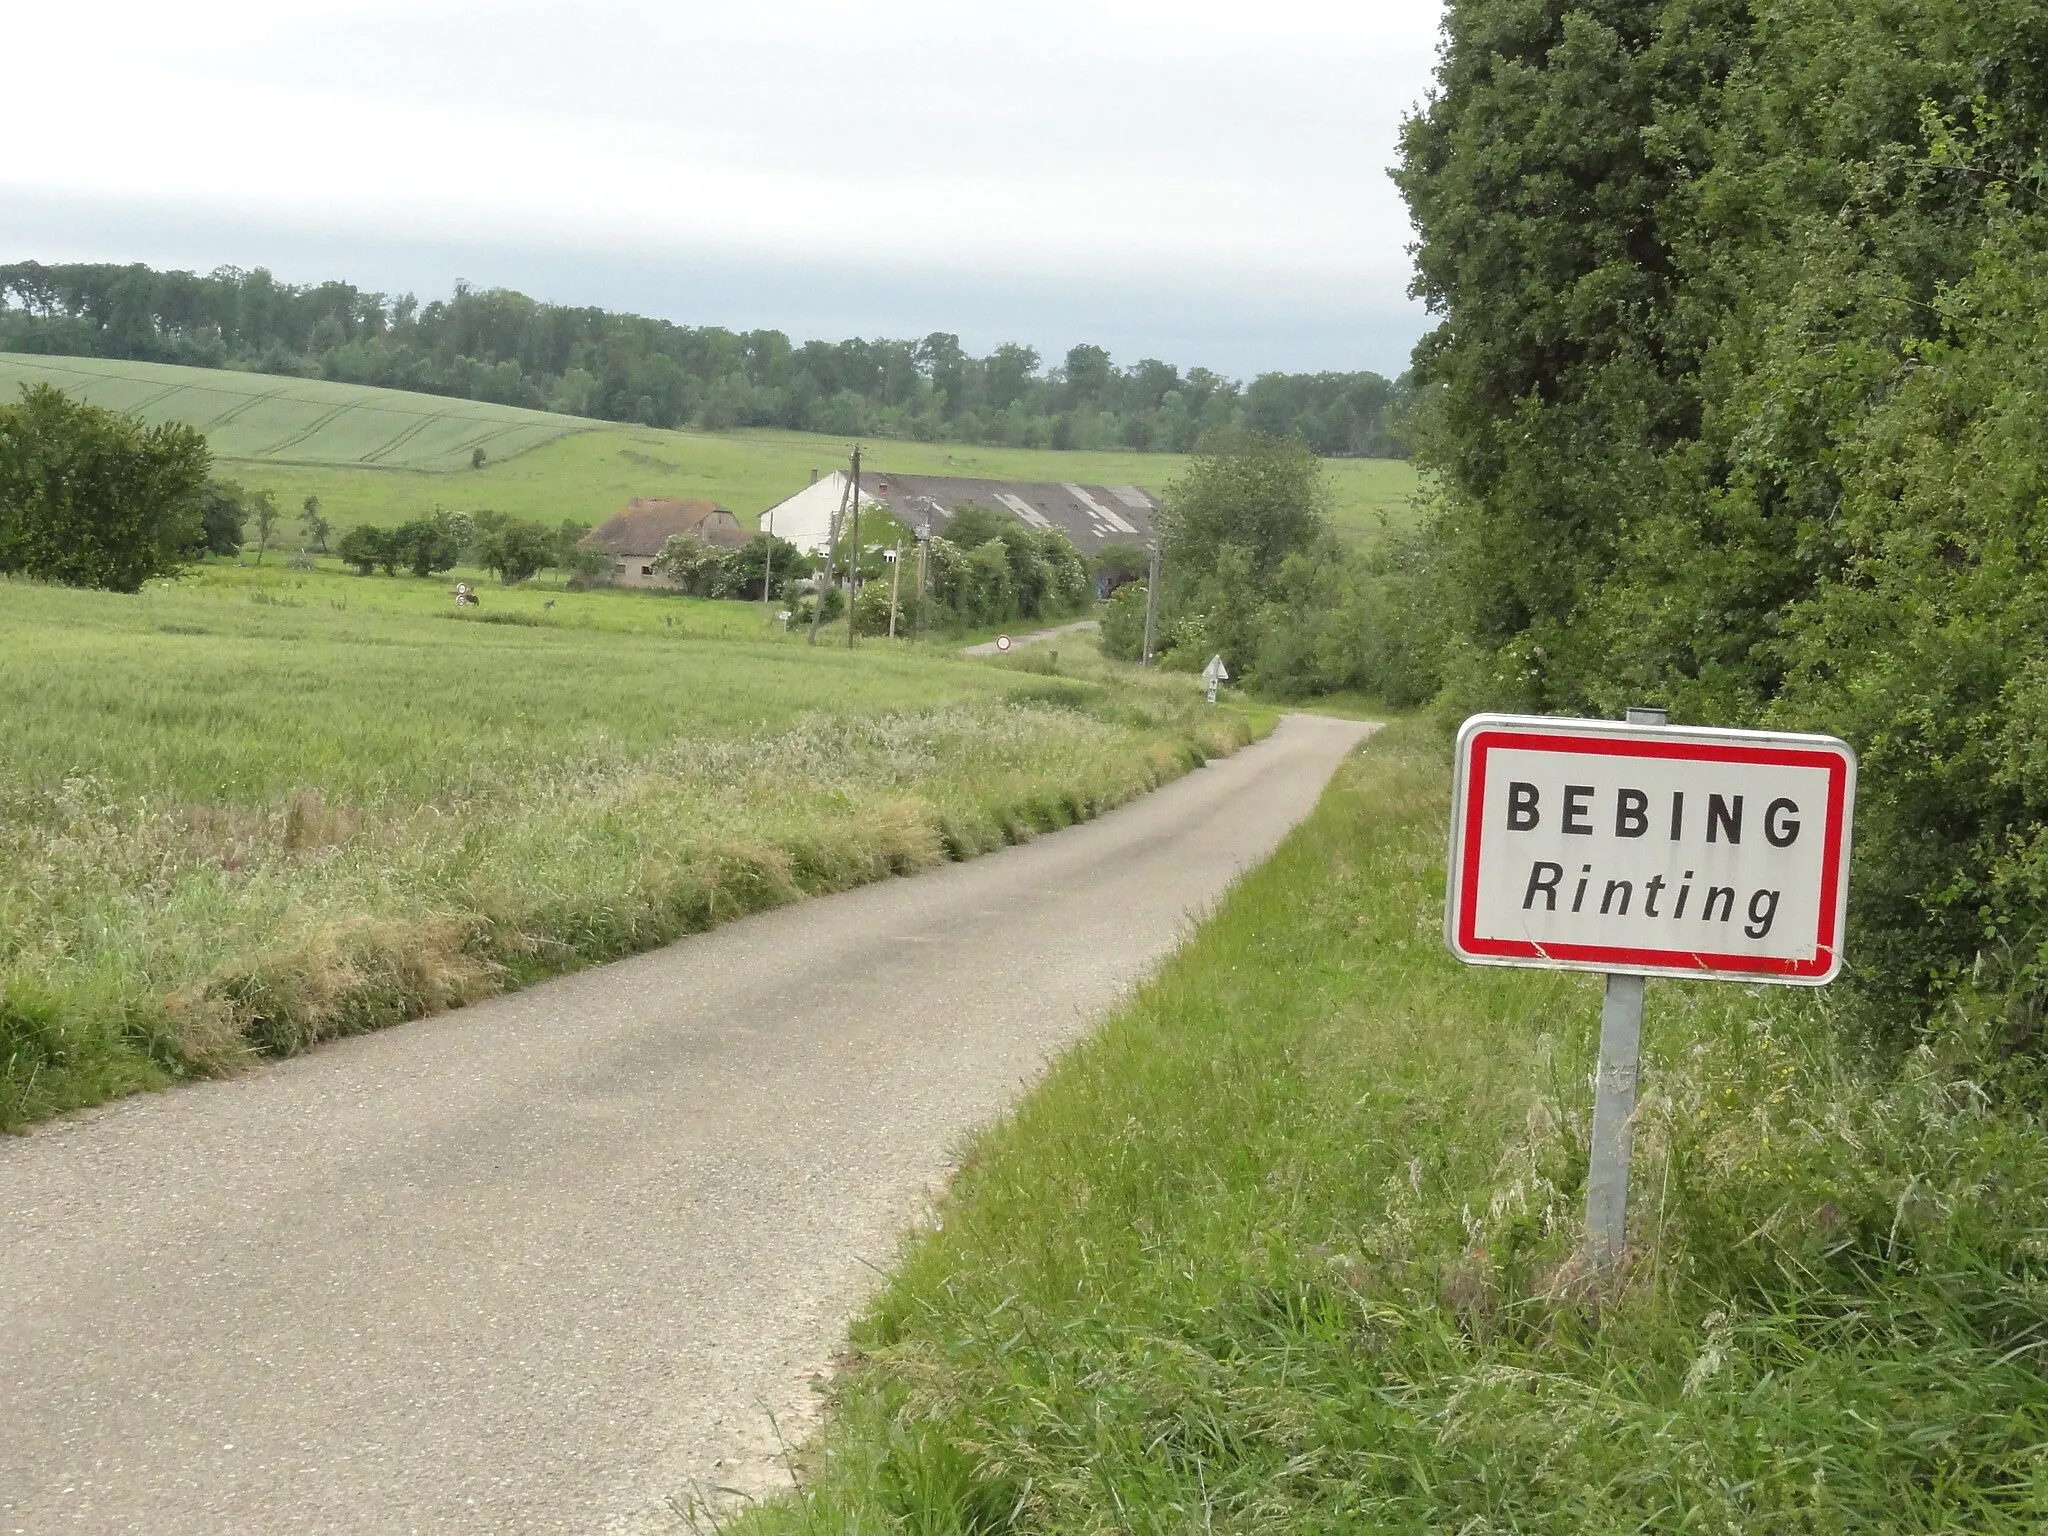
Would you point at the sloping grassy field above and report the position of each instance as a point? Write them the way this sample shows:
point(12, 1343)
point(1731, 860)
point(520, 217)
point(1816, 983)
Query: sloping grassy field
point(1290, 1246)
point(263, 418)
point(247, 811)
point(350, 446)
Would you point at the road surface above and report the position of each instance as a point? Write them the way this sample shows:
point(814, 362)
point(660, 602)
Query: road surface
point(1018, 642)
point(551, 1262)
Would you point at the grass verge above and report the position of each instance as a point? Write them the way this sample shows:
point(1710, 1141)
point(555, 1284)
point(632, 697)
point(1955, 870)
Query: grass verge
point(230, 829)
point(1289, 1245)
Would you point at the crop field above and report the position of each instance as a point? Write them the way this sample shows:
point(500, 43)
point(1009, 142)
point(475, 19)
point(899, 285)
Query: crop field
point(267, 419)
point(255, 808)
point(300, 438)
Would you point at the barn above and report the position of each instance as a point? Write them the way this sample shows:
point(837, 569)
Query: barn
point(636, 533)
point(1090, 515)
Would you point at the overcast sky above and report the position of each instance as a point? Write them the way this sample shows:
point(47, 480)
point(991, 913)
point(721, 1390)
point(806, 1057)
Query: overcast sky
point(1200, 182)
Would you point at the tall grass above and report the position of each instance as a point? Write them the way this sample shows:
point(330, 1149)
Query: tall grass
point(1290, 1245)
point(231, 829)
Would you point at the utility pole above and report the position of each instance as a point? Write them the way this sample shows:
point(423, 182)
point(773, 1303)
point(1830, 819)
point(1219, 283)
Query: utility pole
point(924, 555)
point(895, 586)
point(853, 555)
point(1152, 604)
point(825, 581)
point(768, 564)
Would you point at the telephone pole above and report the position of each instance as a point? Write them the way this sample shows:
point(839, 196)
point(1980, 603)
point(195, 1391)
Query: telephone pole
point(853, 555)
point(825, 581)
point(1152, 603)
point(768, 564)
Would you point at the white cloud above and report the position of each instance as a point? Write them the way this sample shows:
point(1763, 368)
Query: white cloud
point(1201, 146)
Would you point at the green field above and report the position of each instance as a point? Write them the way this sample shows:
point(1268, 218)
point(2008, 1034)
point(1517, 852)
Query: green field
point(253, 808)
point(263, 418)
point(300, 438)
point(1290, 1245)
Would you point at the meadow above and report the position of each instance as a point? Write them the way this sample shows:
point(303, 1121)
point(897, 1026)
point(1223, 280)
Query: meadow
point(298, 438)
point(1290, 1244)
point(254, 808)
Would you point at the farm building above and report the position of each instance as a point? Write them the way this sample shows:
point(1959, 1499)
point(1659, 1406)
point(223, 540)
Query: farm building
point(1090, 515)
point(636, 533)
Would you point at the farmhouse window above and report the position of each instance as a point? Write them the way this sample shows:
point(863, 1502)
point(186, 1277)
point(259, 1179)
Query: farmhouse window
point(646, 570)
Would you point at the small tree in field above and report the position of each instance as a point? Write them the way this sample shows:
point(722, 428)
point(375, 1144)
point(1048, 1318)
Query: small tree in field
point(517, 550)
point(314, 526)
point(263, 508)
point(365, 548)
point(426, 544)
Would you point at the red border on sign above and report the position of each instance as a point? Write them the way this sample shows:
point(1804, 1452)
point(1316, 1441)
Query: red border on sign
point(1620, 957)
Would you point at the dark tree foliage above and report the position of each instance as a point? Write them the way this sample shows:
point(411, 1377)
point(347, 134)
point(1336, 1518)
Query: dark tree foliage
point(223, 506)
point(1735, 402)
point(366, 548)
point(425, 545)
point(1235, 529)
point(497, 345)
point(91, 498)
point(761, 555)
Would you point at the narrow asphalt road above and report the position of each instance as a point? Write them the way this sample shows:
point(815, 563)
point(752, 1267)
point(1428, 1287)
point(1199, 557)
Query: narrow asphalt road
point(551, 1262)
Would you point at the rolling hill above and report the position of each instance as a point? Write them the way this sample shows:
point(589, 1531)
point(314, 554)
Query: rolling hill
point(382, 456)
point(278, 420)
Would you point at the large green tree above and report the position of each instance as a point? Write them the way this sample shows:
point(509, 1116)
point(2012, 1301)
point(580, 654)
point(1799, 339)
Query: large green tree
point(91, 498)
point(1721, 421)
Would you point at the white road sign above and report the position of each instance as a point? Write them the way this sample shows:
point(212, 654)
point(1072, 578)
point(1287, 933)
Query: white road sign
point(1215, 672)
point(1654, 850)
point(1002, 642)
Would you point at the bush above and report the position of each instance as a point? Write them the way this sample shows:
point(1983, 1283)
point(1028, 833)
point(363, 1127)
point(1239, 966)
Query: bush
point(694, 566)
point(90, 498)
point(1123, 623)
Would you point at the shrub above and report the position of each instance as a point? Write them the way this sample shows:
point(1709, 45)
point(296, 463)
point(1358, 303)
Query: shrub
point(1123, 623)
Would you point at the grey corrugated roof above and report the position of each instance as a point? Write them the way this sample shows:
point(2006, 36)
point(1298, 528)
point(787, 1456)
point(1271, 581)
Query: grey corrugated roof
point(1090, 515)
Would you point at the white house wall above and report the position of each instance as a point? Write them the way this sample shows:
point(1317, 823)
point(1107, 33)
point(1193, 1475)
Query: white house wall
point(805, 519)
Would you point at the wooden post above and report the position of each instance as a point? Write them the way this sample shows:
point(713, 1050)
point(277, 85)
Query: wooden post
point(768, 563)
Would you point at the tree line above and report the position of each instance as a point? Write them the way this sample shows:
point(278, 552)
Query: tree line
point(1740, 405)
point(499, 345)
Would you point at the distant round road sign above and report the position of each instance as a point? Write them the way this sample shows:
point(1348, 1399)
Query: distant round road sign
point(1002, 642)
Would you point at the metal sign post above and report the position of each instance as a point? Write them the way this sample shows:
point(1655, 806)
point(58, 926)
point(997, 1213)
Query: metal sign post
point(1636, 849)
point(1213, 674)
point(1614, 1100)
